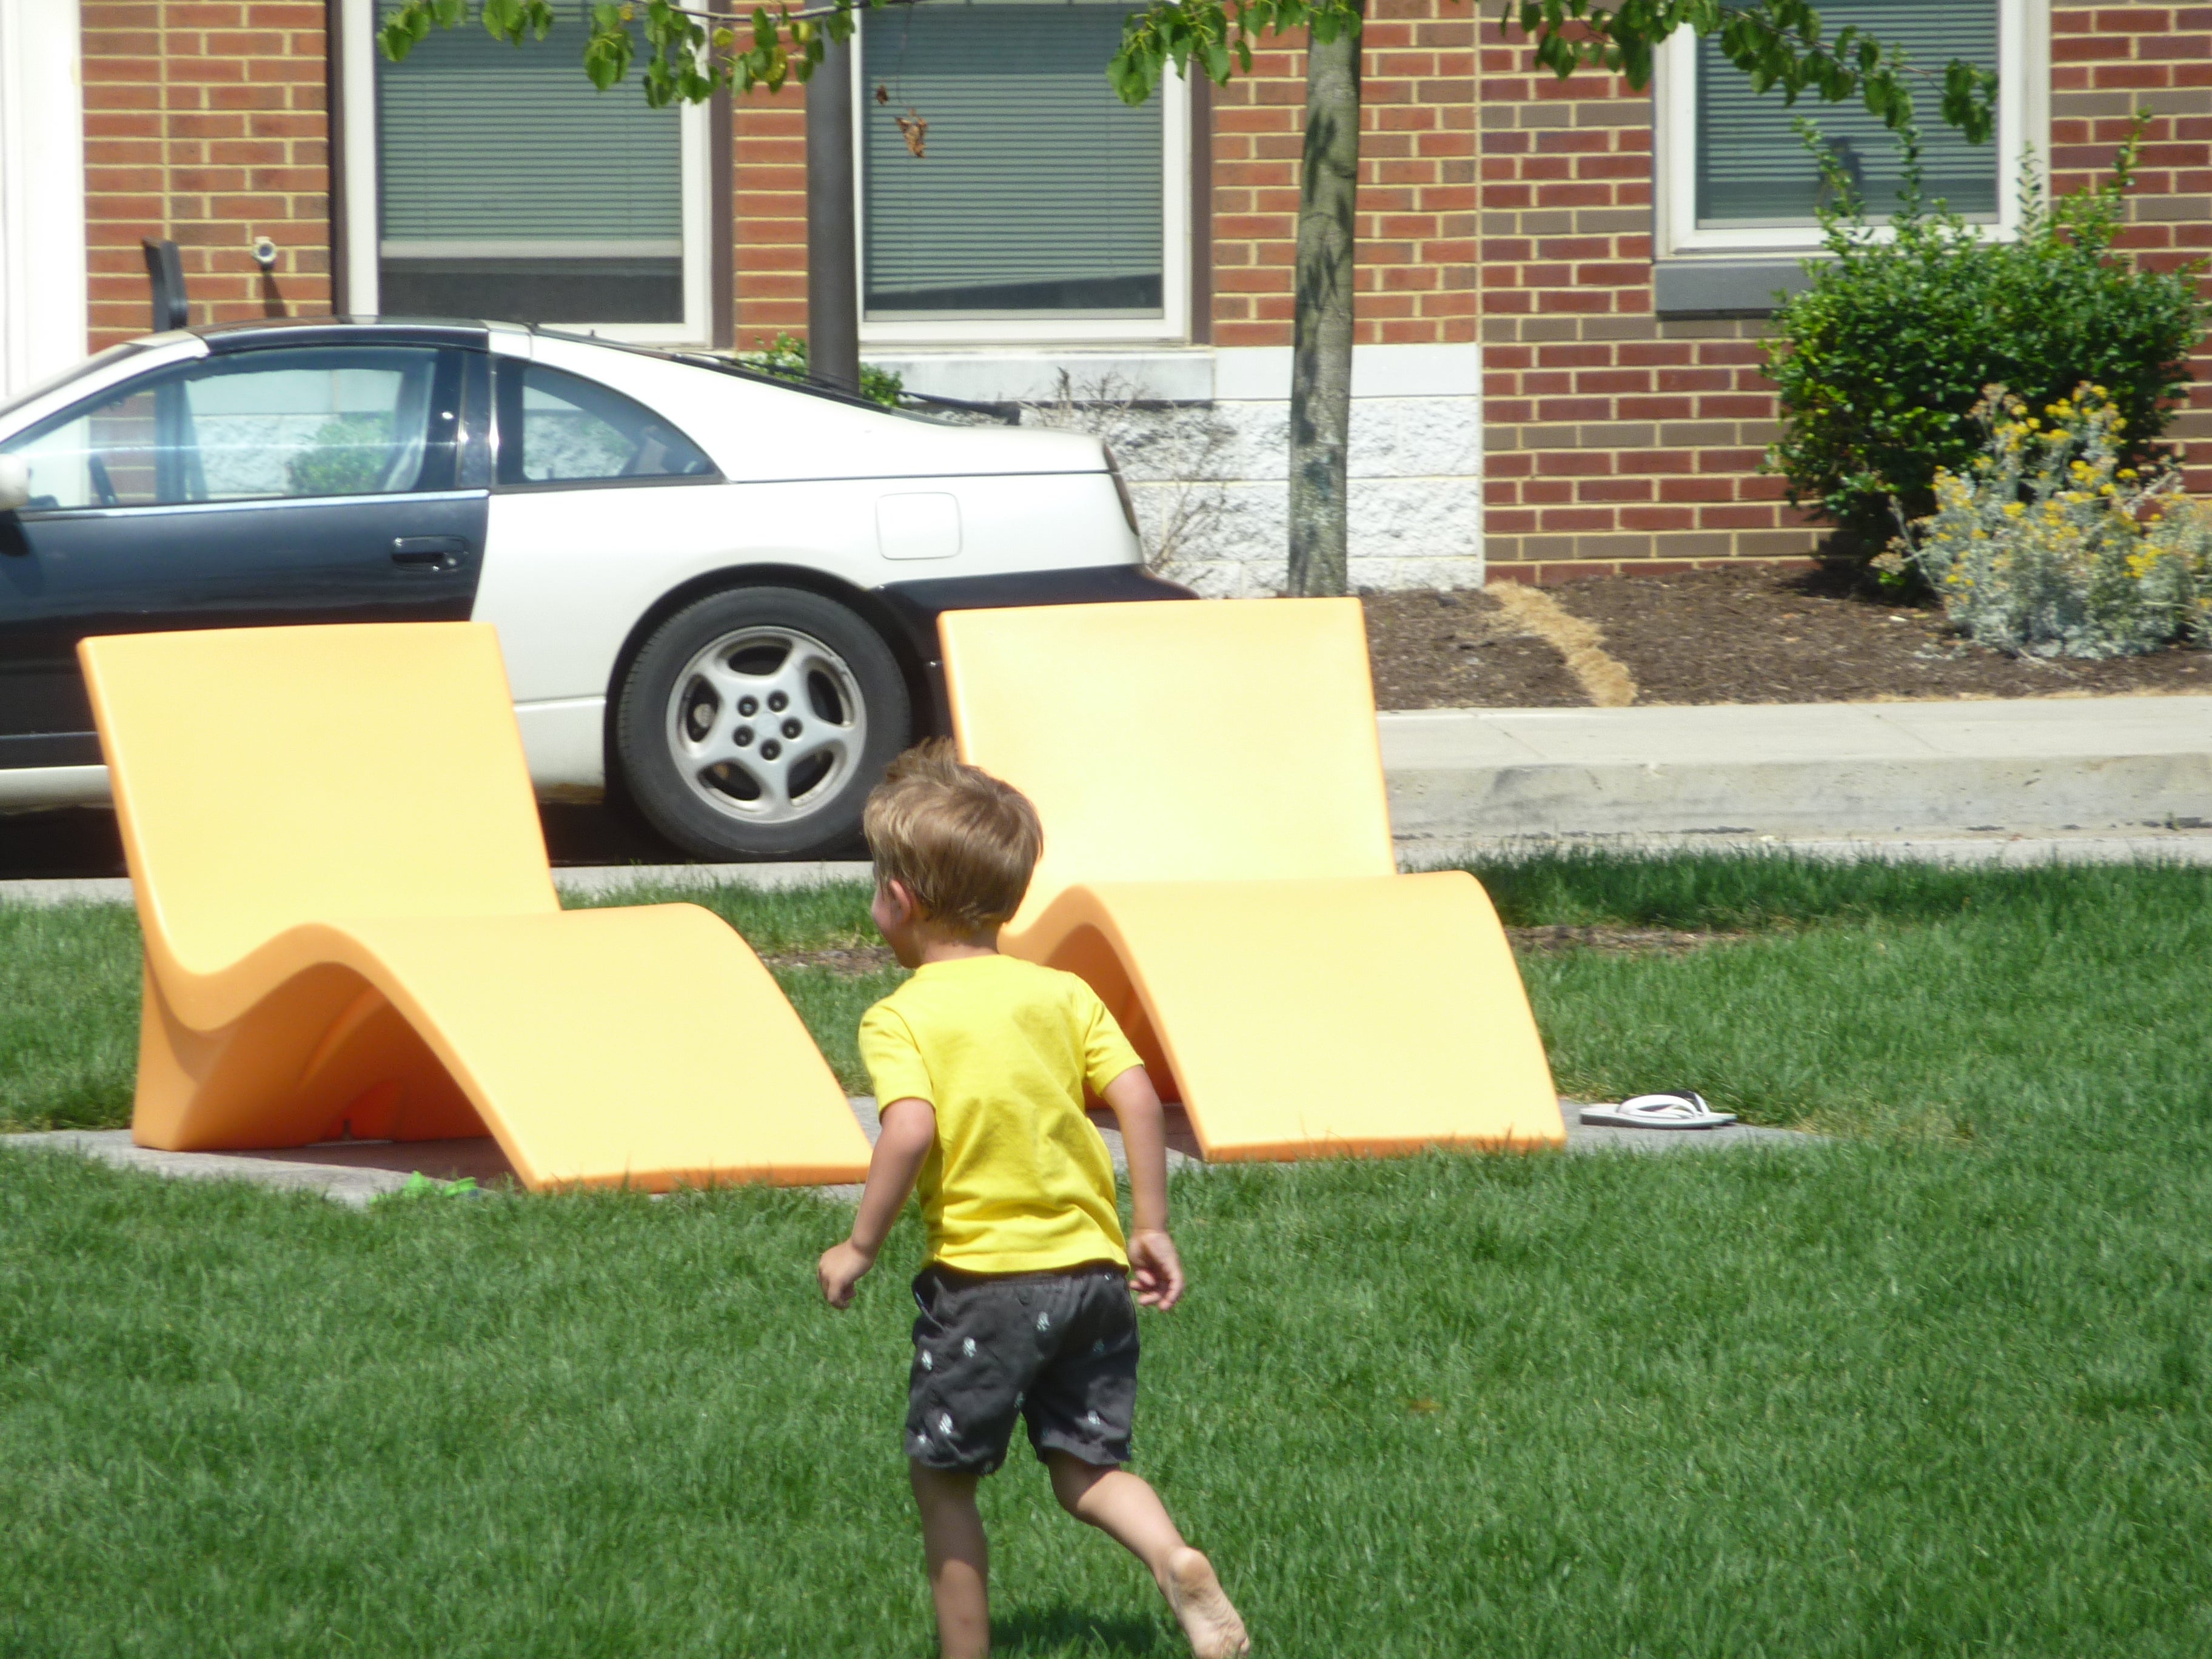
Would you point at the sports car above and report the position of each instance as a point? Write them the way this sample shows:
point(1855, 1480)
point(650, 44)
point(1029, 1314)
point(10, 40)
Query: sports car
point(716, 591)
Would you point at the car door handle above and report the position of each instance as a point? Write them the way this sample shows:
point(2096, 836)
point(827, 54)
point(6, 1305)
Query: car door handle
point(433, 552)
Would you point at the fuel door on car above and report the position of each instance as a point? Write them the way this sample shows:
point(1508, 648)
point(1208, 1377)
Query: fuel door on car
point(918, 524)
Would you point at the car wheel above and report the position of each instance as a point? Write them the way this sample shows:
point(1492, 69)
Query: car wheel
point(755, 721)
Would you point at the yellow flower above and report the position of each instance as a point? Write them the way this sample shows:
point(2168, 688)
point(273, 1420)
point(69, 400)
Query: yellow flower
point(2127, 472)
point(2014, 509)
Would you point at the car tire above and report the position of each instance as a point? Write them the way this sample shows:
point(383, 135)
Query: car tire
point(755, 721)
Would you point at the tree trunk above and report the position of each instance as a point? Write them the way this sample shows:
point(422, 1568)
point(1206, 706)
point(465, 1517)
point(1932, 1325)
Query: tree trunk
point(1321, 370)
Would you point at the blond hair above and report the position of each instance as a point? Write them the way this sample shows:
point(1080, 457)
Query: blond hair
point(960, 842)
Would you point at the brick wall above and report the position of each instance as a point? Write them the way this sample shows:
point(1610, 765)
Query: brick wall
point(1416, 205)
point(1618, 441)
point(205, 123)
point(1611, 439)
point(2106, 62)
point(769, 207)
point(1416, 202)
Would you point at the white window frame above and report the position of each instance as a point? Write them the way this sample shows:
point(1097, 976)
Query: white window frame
point(357, 67)
point(970, 328)
point(43, 306)
point(2023, 122)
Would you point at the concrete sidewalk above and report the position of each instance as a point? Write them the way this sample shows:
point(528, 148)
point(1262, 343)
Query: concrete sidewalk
point(357, 1172)
point(2132, 767)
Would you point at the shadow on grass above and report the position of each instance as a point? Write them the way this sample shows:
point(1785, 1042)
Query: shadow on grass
point(1062, 1627)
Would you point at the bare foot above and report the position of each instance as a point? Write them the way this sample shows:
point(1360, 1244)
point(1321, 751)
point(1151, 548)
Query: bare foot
point(1208, 1621)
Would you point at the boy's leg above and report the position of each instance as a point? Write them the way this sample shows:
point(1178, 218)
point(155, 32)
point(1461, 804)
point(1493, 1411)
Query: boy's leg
point(1120, 1504)
point(958, 1557)
point(1126, 1509)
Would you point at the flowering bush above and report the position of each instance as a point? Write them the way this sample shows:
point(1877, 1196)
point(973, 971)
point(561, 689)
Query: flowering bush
point(2050, 545)
point(1881, 360)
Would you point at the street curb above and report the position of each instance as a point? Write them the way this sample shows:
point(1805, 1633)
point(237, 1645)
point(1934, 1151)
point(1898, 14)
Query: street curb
point(2113, 765)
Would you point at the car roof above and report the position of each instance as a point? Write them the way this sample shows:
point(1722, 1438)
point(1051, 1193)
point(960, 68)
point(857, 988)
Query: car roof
point(263, 332)
point(344, 331)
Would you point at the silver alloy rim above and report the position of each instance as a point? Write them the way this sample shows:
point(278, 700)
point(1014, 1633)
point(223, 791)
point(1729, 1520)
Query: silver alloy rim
point(766, 724)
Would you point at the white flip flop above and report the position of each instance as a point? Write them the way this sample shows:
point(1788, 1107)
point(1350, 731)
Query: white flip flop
point(1673, 1109)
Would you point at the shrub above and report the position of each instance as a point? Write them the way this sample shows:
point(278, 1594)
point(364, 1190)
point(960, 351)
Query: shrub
point(348, 455)
point(2050, 544)
point(1882, 361)
point(785, 356)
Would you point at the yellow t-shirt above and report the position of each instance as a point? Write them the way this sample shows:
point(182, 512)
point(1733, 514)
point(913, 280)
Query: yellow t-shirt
point(1017, 1180)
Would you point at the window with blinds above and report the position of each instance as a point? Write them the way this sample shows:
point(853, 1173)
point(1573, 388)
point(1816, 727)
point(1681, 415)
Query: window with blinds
point(509, 187)
point(1753, 171)
point(1036, 192)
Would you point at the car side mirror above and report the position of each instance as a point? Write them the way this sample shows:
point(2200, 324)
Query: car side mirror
point(14, 483)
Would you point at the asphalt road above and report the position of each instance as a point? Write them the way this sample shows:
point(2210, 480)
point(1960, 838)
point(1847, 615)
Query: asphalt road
point(81, 841)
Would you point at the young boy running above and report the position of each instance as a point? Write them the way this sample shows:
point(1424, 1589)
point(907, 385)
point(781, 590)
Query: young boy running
point(980, 1064)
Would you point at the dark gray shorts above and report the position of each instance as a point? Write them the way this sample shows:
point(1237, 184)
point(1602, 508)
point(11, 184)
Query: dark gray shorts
point(1058, 1349)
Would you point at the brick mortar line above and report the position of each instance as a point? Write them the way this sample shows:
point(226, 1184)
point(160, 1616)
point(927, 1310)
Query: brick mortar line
point(168, 126)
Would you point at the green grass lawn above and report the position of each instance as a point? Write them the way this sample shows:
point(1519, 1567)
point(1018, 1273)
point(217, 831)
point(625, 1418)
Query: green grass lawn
point(1935, 1388)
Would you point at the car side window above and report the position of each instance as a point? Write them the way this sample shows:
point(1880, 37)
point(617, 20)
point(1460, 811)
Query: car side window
point(558, 427)
point(108, 456)
point(258, 425)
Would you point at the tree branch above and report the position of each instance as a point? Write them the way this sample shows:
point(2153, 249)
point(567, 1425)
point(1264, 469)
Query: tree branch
point(692, 52)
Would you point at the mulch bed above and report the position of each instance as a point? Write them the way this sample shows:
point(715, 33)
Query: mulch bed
point(1458, 651)
point(1727, 636)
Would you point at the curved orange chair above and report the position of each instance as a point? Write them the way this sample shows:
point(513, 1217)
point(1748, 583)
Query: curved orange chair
point(351, 930)
point(1217, 864)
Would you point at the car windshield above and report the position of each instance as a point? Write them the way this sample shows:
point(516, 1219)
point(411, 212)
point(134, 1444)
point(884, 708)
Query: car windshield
point(113, 353)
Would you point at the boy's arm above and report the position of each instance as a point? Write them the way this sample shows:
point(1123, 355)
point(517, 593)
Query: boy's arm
point(909, 1127)
point(1152, 1260)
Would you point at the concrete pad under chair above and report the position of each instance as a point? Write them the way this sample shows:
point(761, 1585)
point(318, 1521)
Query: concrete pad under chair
point(357, 1172)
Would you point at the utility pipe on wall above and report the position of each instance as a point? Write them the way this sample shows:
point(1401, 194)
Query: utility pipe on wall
point(833, 290)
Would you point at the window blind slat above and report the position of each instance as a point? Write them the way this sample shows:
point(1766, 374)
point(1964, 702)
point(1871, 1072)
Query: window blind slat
point(1040, 190)
point(481, 142)
point(1752, 170)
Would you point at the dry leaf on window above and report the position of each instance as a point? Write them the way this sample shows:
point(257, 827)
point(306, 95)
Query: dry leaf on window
point(914, 130)
point(882, 92)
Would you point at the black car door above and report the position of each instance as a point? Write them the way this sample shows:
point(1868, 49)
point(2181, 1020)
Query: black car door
point(321, 484)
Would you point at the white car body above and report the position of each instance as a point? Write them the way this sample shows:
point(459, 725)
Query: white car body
point(853, 502)
point(1024, 500)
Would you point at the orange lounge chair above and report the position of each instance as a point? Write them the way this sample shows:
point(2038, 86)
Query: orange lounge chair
point(1217, 865)
point(351, 928)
